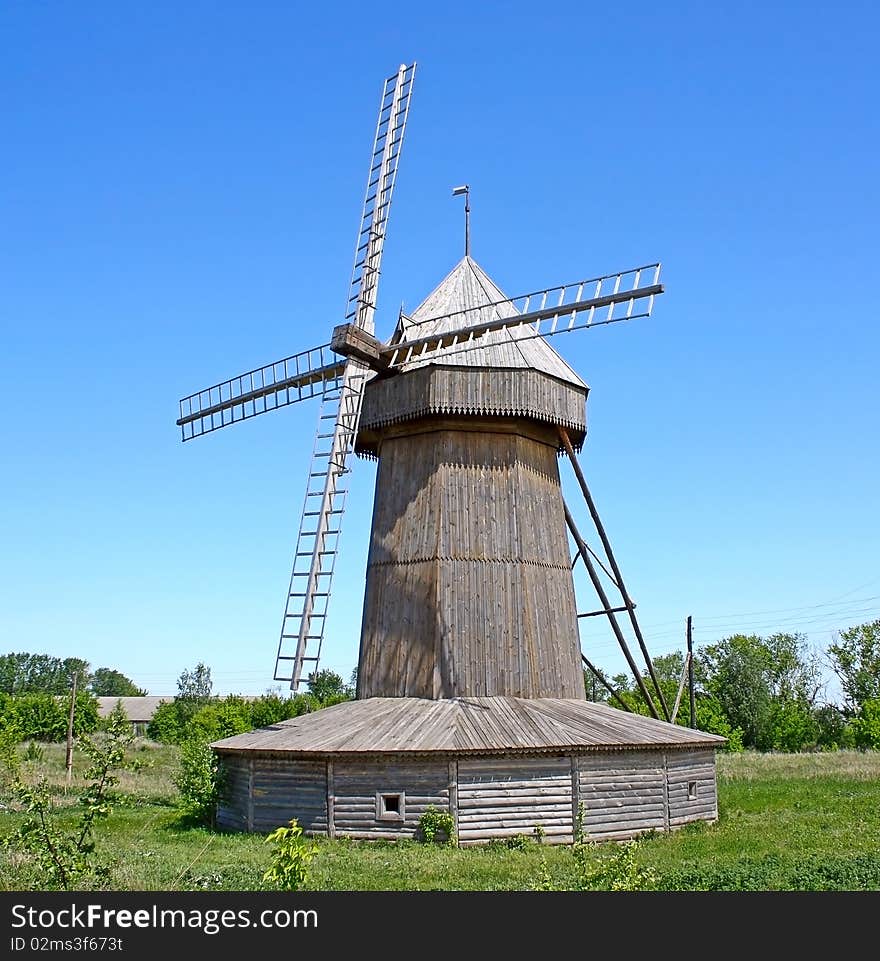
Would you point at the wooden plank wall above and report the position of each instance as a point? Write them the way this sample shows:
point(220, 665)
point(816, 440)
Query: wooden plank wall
point(471, 391)
point(285, 789)
point(503, 797)
point(355, 786)
point(691, 767)
point(469, 586)
point(232, 812)
point(622, 793)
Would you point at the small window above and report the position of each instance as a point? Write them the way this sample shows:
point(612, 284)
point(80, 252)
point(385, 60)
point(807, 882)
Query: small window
point(390, 806)
point(692, 790)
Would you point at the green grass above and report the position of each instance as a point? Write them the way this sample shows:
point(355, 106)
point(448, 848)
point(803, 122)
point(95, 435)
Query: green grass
point(787, 822)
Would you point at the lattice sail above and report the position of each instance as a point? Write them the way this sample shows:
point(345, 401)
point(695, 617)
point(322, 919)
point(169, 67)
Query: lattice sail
point(307, 374)
point(576, 306)
point(305, 614)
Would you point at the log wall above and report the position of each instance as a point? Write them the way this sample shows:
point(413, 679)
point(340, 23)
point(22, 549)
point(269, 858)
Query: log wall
point(503, 797)
point(622, 793)
point(232, 812)
point(691, 773)
point(356, 783)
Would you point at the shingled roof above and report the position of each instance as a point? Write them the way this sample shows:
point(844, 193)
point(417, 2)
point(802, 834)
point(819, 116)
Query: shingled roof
point(465, 725)
point(455, 303)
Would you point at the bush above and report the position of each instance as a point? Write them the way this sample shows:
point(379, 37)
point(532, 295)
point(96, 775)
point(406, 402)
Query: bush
point(291, 858)
point(165, 724)
point(199, 781)
point(617, 871)
point(43, 717)
point(866, 725)
point(436, 826)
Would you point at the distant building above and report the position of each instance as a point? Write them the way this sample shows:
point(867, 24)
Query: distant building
point(139, 710)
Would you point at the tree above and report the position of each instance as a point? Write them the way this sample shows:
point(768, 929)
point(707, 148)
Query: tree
point(855, 659)
point(195, 685)
point(328, 686)
point(737, 676)
point(767, 687)
point(106, 682)
point(866, 725)
point(26, 673)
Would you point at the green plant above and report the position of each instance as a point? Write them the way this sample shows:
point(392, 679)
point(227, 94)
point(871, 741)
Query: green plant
point(290, 859)
point(544, 882)
point(33, 752)
point(65, 858)
point(540, 833)
point(866, 725)
point(199, 781)
point(617, 871)
point(436, 826)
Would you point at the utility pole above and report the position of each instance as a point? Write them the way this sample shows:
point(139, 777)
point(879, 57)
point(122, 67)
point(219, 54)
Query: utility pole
point(690, 647)
point(69, 759)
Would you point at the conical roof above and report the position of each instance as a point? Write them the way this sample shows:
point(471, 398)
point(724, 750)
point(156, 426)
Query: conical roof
point(466, 725)
point(467, 296)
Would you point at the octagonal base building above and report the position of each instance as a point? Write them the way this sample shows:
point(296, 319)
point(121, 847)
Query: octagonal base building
point(470, 683)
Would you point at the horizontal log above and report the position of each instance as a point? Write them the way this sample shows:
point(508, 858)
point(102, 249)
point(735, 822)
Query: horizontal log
point(472, 794)
point(640, 790)
point(469, 806)
point(622, 777)
point(504, 814)
point(681, 822)
point(531, 767)
point(512, 831)
point(523, 823)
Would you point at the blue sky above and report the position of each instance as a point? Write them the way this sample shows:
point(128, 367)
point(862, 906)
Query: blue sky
point(180, 193)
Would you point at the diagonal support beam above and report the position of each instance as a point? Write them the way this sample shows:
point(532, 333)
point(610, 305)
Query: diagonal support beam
point(601, 679)
point(603, 597)
point(563, 433)
point(684, 674)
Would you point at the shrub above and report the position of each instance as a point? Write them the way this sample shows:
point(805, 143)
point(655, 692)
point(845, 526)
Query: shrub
point(290, 859)
point(436, 826)
point(617, 871)
point(866, 725)
point(64, 857)
point(39, 716)
point(199, 781)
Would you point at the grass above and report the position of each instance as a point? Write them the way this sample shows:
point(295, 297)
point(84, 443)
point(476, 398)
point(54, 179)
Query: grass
point(787, 822)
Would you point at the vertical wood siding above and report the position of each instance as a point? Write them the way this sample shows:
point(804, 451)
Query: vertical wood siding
point(469, 586)
point(622, 793)
point(356, 782)
point(232, 811)
point(691, 767)
point(472, 391)
point(503, 797)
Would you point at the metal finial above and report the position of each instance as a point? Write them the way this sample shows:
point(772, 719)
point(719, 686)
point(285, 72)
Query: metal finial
point(466, 190)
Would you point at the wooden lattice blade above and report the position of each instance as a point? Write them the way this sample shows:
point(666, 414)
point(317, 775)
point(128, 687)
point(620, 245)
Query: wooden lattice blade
point(576, 306)
point(307, 374)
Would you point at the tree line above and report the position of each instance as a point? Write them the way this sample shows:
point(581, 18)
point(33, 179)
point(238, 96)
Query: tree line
point(761, 693)
point(41, 673)
point(767, 693)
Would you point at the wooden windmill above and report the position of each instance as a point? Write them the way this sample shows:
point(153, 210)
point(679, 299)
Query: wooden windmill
point(470, 682)
point(469, 585)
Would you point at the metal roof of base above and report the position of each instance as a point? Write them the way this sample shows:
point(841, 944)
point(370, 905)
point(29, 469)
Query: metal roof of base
point(465, 725)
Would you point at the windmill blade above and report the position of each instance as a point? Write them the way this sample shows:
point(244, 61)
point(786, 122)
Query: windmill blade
point(577, 306)
point(390, 128)
point(305, 613)
point(291, 379)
